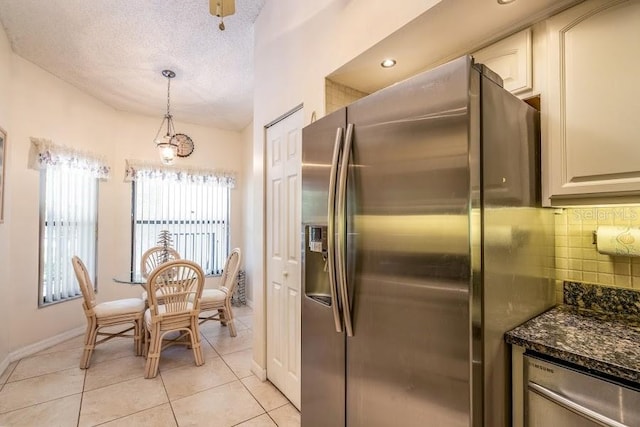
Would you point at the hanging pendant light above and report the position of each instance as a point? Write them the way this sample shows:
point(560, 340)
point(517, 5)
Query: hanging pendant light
point(168, 145)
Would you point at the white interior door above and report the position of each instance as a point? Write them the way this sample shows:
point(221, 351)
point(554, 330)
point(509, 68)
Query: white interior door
point(283, 168)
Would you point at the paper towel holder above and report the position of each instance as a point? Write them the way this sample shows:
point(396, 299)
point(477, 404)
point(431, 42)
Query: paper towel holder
point(617, 241)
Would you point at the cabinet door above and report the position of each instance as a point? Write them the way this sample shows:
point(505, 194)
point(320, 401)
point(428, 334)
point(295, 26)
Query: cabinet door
point(511, 59)
point(593, 101)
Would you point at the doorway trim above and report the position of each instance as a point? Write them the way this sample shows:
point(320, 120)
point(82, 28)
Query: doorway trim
point(260, 369)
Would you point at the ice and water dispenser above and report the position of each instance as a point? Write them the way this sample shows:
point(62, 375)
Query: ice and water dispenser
point(316, 276)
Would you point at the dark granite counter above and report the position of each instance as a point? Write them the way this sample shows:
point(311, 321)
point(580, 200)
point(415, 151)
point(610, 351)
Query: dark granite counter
point(607, 342)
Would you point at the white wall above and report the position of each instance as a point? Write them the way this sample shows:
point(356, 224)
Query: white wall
point(214, 149)
point(5, 84)
point(42, 105)
point(297, 44)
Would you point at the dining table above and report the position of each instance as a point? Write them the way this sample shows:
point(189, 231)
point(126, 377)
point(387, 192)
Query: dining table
point(130, 278)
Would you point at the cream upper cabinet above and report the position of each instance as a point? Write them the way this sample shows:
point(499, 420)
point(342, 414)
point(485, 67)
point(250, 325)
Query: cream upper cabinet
point(591, 147)
point(510, 58)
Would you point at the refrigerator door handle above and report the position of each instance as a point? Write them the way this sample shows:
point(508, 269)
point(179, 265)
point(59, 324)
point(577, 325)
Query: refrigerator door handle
point(331, 230)
point(342, 231)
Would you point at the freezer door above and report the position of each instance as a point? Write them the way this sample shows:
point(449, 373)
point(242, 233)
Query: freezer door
point(323, 349)
point(409, 253)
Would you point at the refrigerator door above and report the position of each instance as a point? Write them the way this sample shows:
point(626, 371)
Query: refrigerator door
point(323, 348)
point(518, 246)
point(408, 250)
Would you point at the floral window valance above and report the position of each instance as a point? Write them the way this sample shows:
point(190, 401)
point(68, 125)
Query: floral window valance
point(45, 154)
point(138, 169)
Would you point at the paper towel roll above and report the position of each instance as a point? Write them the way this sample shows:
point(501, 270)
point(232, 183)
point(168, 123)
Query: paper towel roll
point(618, 240)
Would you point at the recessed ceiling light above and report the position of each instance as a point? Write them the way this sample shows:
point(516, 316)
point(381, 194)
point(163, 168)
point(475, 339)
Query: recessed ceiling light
point(388, 63)
point(505, 1)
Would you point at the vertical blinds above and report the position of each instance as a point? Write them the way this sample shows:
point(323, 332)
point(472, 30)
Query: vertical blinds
point(69, 220)
point(68, 215)
point(193, 205)
point(195, 211)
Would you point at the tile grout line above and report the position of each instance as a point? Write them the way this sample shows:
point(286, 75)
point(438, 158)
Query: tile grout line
point(141, 410)
point(246, 388)
point(237, 378)
point(109, 385)
point(41, 374)
point(38, 404)
point(232, 352)
point(223, 361)
point(256, 399)
point(84, 382)
point(281, 406)
point(166, 392)
point(11, 373)
point(128, 415)
point(258, 402)
point(5, 382)
point(44, 401)
point(210, 388)
point(253, 418)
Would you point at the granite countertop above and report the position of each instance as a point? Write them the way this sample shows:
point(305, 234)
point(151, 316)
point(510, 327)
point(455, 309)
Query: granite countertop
point(607, 342)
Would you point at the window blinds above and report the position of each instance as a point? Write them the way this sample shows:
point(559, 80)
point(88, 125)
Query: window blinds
point(193, 205)
point(69, 227)
point(68, 215)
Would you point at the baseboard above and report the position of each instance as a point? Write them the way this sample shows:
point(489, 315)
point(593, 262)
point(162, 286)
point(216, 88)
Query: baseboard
point(258, 371)
point(44, 344)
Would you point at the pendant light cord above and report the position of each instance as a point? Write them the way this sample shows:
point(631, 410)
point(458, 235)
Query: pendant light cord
point(168, 106)
point(168, 94)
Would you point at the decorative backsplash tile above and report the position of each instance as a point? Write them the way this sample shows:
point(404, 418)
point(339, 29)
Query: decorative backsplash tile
point(602, 298)
point(577, 258)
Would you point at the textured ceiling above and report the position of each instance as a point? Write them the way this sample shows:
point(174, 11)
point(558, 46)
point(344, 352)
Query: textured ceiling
point(115, 50)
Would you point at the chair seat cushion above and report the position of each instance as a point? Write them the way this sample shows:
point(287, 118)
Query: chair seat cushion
point(161, 310)
point(212, 295)
point(118, 307)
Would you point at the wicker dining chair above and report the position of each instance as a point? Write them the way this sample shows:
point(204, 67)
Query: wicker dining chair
point(218, 299)
point(174, 290)
point(155, 256)
point(152, 258)
point(111, 313)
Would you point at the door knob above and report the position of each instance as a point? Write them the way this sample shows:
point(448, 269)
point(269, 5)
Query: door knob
point(285, 273)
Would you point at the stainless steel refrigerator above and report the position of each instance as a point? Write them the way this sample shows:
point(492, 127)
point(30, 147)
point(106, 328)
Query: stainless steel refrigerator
point(423, 243)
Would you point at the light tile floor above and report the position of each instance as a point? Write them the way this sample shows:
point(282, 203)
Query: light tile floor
point(48, 388)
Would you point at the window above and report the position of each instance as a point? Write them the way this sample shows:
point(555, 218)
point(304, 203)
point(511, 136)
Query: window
point(193, 207)
point(69, 221)
point(68, 217)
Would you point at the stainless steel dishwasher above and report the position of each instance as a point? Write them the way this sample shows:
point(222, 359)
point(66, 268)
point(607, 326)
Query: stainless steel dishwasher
point(561, 396)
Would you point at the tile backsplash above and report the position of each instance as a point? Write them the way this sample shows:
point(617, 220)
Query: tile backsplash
point(338, 96)
point(577, 258)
